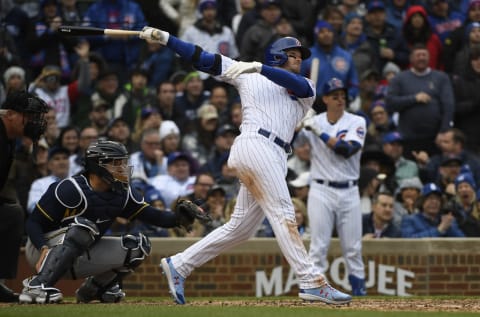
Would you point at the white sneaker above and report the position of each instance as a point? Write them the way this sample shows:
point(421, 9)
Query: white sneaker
point(39, 294)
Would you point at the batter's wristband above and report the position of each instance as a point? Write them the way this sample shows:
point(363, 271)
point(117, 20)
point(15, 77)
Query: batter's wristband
point(325, 137)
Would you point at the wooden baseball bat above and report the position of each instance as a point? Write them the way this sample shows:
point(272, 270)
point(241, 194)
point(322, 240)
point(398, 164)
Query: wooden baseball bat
point(314, 68)
point(88, 30)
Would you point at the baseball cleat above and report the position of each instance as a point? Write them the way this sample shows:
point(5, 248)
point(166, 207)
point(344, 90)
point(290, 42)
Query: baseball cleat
point(90, 291)
point(175, 281)
point(358, 285)
point(325, 294)
point(39, 294)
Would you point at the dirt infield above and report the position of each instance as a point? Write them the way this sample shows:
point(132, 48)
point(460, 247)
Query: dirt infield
point(383, 304)
point(469, 305)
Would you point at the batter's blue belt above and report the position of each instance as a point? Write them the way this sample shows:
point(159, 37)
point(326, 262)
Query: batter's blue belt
point(341, 185)
point(284, 145)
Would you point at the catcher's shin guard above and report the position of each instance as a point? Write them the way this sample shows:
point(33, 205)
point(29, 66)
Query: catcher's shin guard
point(78, 238)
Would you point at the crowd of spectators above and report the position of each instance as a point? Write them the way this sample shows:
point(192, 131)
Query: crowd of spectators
point(412, 69)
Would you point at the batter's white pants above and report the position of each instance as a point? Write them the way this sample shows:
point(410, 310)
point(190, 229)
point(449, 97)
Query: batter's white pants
point(330, 207)
point(261, 166)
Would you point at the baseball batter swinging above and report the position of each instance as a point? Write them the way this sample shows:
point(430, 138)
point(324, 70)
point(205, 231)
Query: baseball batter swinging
point(274, 99)
point(336, 138)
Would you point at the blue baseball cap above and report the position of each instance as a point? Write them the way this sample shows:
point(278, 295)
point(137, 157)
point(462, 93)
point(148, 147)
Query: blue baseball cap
point(392, 137)
point(207, 4)
point(172, 157)
point(152, 195)
point(57, 150)
point(431, 188)
point(332, 85)
point(375, 5)
point(262, 4)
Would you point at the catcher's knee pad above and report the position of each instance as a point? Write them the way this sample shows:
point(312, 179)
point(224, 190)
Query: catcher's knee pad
point(138, 247)
point(81, 233)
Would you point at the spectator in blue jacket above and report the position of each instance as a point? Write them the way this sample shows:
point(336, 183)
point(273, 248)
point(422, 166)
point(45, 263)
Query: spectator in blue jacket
point(396, 10)
point(431, 221)
point(443, 19)
point(122, 53)
point(333, 61)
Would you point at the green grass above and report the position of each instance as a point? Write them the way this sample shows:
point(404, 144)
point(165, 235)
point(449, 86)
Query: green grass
point(237, 307)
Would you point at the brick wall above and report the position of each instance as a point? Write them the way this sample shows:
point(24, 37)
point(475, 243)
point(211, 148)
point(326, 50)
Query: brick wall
point(419, 267)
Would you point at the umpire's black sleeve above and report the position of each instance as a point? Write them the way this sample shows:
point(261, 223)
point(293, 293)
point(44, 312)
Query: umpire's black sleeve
point(157, 217)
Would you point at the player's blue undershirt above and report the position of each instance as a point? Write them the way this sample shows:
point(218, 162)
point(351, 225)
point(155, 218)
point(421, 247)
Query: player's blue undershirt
point(206, 62)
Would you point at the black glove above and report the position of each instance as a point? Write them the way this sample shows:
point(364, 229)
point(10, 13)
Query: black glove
point(187, 212)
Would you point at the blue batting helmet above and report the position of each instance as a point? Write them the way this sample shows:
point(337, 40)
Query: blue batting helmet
point(332, 85)
point(275, 54)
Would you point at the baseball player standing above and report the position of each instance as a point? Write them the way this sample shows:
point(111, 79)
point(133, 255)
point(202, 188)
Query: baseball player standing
point(274, 99)
point(336, 138)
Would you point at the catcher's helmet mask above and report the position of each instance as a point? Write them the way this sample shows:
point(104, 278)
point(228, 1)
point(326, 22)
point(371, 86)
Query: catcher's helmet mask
point(276, 54)
point(109, 160)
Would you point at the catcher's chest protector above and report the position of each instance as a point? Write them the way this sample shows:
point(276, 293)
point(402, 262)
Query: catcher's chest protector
point(100, 207)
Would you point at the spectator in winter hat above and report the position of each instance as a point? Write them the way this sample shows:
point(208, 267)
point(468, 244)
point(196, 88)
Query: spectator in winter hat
point(464, 206)
point(14, 79)
point(407, 194)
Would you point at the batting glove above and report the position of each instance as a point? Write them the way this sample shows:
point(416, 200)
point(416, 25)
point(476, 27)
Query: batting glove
point(310, 124)
point(242, 68)
point(154, 35)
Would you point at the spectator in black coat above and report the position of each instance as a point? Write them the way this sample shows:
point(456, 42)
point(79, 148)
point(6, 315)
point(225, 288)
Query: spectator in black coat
point(379, 223)
point(467, 97)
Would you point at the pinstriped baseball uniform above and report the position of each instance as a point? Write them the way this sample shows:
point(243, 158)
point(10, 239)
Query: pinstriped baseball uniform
point(330, 206)
point(261, 165)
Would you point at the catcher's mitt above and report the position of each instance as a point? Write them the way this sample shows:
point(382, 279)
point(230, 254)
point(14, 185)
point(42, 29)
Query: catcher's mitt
point(187, 212)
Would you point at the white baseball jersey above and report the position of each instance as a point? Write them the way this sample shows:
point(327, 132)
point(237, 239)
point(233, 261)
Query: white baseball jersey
point(349, 127)
point(59, 101)
point(261, 165)
point(74, 166)
point(336, 206)
point(171, 188)
point(37, 189)
point(216, 42)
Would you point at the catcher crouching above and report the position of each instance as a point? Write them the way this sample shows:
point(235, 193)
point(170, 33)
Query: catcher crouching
point(65, 230)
